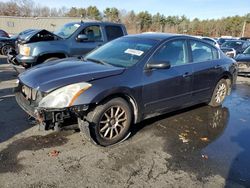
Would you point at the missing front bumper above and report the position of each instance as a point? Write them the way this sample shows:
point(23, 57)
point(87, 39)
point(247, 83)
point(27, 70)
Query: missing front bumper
point(54, 119)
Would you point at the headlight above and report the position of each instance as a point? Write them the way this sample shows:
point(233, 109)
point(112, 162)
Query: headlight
point(65, 96)
point(24, 50)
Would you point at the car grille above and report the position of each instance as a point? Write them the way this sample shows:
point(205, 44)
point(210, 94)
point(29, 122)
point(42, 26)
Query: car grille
point(24, 104)
point(29, 93)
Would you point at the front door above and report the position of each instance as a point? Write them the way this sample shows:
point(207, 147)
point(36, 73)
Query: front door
point(94, 39)
point(168, 88)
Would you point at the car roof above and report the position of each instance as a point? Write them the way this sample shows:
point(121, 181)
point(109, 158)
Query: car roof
point(208, 38)
point(158, 36)
point(83, 22)
point(235, 40)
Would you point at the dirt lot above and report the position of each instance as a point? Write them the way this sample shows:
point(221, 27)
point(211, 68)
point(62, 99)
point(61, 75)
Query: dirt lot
point(195, 147)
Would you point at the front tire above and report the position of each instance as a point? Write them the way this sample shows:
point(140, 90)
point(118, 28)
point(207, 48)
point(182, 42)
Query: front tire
point(220, 92)
point(110, 121)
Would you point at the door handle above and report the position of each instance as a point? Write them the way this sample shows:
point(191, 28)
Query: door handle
point(186, 74)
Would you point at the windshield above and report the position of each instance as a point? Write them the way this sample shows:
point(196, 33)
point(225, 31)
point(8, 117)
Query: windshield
point(67, 30)
point(123, 52)
point(232, 44)
point(247, 51)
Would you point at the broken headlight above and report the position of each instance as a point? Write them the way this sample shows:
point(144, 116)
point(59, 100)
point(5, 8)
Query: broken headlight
point(64, 97)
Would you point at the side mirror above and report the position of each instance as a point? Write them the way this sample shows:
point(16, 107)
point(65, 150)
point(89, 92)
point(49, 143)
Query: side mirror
point(159, 65)
point(81, 38)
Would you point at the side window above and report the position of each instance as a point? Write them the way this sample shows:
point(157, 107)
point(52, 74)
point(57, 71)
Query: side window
point(215, 53)
point(113, 32)
point(203, 52)
point(175, 52)
point(93, 33)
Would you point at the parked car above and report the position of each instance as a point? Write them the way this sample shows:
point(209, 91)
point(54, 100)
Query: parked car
point(243, 61)
point(73, 39)
point(124, 82)
point(211, 41)
point(245, 38)
point(221, 41)
point(234, 47)
point(8, 44)
point(4, 34)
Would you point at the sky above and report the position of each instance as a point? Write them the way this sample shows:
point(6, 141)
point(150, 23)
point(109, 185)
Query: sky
point(202, 9)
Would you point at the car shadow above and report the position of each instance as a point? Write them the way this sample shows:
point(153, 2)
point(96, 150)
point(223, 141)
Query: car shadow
point(186, 133)
point(6, 71)
point(13, 119)
point(154, 120)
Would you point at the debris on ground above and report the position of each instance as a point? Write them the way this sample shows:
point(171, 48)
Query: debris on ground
point(204, 139)
point(204, 157)
point(54, 153)
point(183, 137)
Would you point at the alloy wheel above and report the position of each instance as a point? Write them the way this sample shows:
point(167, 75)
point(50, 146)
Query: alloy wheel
point(221, 93)
point(113, 122)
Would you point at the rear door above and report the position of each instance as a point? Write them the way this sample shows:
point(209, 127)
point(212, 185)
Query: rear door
point(168, 88)
point(207, 69)
point(113, 32)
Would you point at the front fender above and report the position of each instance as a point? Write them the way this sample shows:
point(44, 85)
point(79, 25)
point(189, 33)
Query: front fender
point(42, 48)
point(96, 95)
point(131, 96)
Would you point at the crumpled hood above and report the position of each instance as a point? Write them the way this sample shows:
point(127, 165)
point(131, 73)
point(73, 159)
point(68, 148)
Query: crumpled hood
point(37, 36)
point(243, 57)
point(5, 39)
point(49, 76)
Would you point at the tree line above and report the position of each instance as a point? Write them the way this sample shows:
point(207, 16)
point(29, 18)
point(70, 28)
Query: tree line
point(135, 22)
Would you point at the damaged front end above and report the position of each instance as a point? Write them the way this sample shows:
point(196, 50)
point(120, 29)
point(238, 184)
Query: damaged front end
point(38, 36)
point(49, 118)
point(22, 57)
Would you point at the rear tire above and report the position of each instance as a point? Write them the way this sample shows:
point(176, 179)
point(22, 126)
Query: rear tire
point(220, 92)
point(110, 121)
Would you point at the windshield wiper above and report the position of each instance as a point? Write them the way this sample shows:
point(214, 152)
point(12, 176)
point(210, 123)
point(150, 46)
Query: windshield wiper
point(96, 61)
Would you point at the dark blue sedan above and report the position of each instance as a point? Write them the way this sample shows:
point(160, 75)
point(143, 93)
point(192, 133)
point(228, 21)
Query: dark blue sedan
point(124, 82)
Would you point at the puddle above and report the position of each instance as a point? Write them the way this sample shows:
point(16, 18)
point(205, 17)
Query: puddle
point(186, 134)
point(9, 156)
point(209, 141)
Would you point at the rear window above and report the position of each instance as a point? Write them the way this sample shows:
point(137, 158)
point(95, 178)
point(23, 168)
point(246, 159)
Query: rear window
point(113, 32)
point(203, 52)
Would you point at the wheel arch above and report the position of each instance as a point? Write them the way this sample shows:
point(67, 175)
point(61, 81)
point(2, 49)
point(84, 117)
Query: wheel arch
point(128, 98)
point(229, 79)
point(45, 56)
